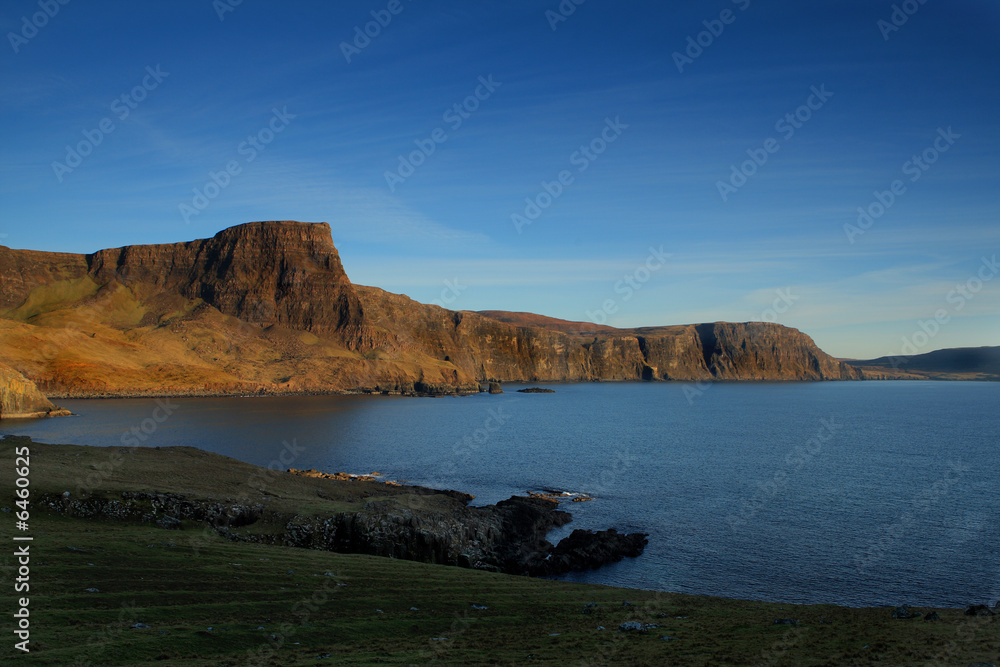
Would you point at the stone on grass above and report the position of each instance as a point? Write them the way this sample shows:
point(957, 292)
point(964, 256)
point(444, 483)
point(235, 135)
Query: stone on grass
point(978, 610)
point(636, 626)
point(902, 612)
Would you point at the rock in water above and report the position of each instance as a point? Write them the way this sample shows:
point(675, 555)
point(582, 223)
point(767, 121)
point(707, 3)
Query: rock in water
point(20, 398)
point(495, 388)
point(587, 549)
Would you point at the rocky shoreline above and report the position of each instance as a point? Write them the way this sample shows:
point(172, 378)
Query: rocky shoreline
point(507, 537)
point(242, 392)
point(438, 390)
point(336, 512)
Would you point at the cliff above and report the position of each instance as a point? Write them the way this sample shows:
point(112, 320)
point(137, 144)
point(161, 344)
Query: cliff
point(266, 273)
point(20, 398)
point(266, 307)
point(488, 346)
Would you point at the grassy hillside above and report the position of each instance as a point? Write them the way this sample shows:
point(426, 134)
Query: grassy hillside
point(208, 601)
point(74, 339)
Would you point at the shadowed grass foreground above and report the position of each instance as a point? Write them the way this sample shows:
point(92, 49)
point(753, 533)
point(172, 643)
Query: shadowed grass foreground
point(209, 601)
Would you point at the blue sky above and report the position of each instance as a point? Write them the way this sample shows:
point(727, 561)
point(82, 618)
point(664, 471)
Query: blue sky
point(329, 126)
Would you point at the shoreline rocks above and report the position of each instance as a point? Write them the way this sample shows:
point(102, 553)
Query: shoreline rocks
point(508, 537)
point(589, 550)
point(465, 498)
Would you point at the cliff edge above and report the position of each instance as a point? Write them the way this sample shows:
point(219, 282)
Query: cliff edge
point(266, 307)
point(20, 398)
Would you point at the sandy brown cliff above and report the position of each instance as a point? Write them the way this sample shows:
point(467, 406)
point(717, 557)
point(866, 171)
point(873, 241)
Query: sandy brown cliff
point(267, 307)
point(20, 398)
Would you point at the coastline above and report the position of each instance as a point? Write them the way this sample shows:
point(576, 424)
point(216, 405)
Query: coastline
point(182, 591)
point(336, 512)
point(432, 445)
point(452, 390)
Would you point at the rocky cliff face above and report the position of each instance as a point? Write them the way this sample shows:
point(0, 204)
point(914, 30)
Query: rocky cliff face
point(20, 398)
point(263, 273)
point(739, 351)
point(487, 347)
point(267, 307)
point(22, 271)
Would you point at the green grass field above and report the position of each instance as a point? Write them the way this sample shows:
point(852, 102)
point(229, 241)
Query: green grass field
point(208, 601)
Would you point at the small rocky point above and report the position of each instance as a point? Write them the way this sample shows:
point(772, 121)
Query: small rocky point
point(21, 399)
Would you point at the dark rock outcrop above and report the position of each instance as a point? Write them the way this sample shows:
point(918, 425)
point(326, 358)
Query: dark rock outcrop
point(164, 509)
point(978, 610)
point(587, 550)
point(902, 612)
point(507, 537)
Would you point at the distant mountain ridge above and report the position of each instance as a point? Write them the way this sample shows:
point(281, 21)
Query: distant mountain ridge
point(266, 307)
point(981, 363)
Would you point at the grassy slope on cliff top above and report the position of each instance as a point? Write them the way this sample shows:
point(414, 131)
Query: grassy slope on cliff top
point(157, 577)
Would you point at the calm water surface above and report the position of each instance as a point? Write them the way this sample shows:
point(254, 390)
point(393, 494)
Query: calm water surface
point(853, 493)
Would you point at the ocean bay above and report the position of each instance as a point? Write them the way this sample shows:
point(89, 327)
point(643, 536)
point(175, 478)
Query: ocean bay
point(856, 493)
